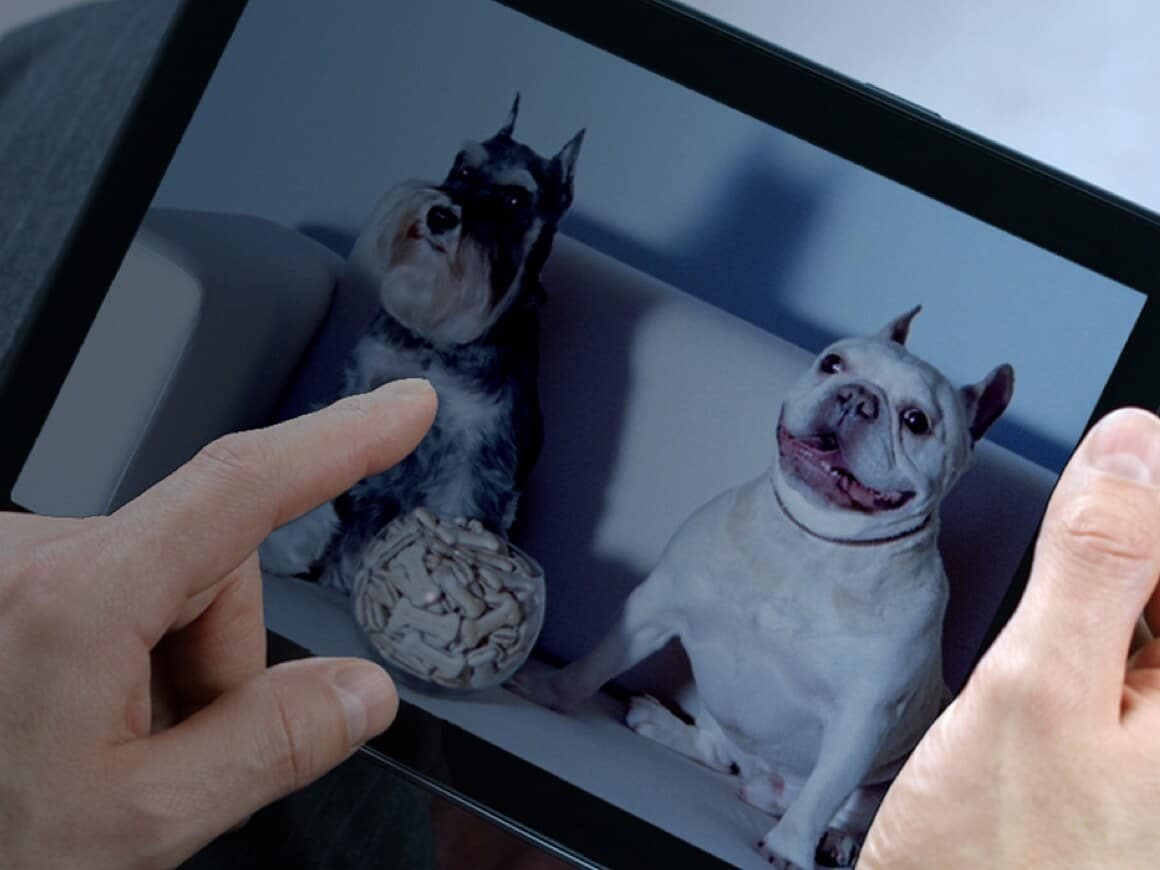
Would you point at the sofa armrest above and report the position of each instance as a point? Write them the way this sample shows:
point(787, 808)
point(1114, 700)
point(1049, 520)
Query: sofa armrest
point(198, 336)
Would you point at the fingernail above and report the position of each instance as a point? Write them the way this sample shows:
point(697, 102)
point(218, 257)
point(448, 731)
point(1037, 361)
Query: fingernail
point(407, 387)
point(365, 691)
point(1123, 465)
point(1126, 444)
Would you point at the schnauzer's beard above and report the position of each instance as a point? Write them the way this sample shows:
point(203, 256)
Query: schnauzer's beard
point(436, 284)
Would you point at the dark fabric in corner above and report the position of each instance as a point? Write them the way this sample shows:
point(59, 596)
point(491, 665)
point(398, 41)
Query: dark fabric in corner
point(67, 84)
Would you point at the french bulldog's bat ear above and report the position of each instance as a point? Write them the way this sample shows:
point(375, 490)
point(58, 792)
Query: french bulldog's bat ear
point(509, 126)
point(898, 329)
point(988, 399)
point(567, 158)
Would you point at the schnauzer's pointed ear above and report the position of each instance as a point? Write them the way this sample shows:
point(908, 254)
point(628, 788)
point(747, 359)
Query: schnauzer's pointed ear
point(567, 157)
point(898, 329)
point(988, 399)
point(509, 126)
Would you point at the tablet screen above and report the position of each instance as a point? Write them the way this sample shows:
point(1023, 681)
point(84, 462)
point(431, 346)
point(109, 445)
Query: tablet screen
point(722, 313)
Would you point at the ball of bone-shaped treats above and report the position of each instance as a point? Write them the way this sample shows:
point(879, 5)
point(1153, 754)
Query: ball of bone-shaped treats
point(447, 603)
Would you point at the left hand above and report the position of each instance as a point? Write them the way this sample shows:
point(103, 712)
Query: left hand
point(137, 717)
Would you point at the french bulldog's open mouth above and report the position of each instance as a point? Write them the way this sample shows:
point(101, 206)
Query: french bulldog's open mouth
point(817, 461)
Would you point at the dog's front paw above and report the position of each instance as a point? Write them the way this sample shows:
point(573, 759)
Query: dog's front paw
point(649, 718)
point(784, 855)
point(546, 687)
point(837, 849)
point(766, 792)
point(775, 860)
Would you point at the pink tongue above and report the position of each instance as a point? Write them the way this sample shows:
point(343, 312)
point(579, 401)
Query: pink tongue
point(859, 494)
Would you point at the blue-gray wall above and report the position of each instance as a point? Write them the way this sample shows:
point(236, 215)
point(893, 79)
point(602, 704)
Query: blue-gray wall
point(316, 108)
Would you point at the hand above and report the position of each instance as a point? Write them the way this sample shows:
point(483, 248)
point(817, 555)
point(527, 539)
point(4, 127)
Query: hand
point(1050, 757)
point(138, 720)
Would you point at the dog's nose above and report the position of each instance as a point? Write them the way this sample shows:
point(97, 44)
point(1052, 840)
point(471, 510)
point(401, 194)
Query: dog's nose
point(858, 399)
point(441, 219)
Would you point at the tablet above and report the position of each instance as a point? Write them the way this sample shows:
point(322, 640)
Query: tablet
point(712, 233)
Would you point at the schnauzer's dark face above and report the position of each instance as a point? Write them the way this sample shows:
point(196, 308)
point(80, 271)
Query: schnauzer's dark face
point(458, 255)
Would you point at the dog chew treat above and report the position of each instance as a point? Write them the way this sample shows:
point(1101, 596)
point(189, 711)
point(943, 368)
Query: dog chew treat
point(442, 629)
point(505, 614)
point(412, 579)
point(432, 658)
point(454, 587)
point(448, 602)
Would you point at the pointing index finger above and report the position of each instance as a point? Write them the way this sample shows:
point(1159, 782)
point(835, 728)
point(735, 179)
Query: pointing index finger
point(207, 517)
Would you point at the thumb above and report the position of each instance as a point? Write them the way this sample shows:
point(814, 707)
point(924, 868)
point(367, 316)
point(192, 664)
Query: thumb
point(268, 737)
point(1097, 558)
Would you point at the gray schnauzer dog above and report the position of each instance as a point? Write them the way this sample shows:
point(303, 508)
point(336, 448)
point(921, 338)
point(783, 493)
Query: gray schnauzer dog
point(456, 269)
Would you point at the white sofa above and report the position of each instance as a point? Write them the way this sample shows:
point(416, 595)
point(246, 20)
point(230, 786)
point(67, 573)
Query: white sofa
point(654, 402)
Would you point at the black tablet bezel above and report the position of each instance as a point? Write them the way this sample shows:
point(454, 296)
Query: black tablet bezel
point(63, 307)
point(891, 137)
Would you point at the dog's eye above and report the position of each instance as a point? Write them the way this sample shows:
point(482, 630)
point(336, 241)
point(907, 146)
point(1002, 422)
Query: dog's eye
point(916, 421)
point(465, 172)
point(831, 364)
point(515, 198)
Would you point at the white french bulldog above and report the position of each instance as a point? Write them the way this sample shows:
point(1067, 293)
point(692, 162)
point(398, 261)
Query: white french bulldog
point(810, 601)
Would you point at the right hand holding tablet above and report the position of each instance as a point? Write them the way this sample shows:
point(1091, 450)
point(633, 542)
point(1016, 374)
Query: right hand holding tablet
point(1050, 757)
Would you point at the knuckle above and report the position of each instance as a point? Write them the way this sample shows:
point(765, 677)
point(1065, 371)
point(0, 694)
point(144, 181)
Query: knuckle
point(1002, 679)
point(1008, 681)
point(156, 810)
point(39, 581)
point(151, 816)
point(358, 405)
point(288, 749)
point(1105, 529)
point(29, 572)
point(235, 457)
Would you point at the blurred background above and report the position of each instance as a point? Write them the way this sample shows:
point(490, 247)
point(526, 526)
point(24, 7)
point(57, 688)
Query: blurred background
point(1070, 82)
point(1073, 83)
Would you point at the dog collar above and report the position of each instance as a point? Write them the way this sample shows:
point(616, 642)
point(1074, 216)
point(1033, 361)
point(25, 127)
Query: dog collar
point(847, 542)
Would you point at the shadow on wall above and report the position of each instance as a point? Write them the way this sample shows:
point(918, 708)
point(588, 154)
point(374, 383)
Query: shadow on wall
point(737, 256)
point(585, 384)
point(318, 376)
